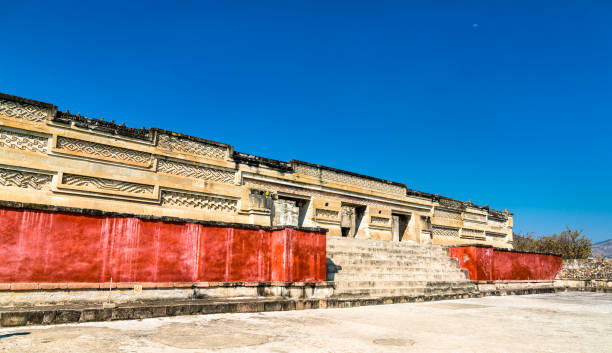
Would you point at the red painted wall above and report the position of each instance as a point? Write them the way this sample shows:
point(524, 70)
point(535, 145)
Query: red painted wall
point(489, 264)
point(43, 246)
point(478, 261)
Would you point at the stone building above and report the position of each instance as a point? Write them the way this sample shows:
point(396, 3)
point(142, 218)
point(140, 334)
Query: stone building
point(57, 158)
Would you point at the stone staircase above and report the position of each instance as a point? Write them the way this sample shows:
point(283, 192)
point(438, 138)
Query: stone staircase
point(376, 268)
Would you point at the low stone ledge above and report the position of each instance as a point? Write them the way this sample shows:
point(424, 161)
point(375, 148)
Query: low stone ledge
point(83, 285)
point(600, 286)
point(24, 286)
point(11, 317)
point(36, 294)
point(176, 285)
point(487, 288)
point(50, 286)
point(151, 285)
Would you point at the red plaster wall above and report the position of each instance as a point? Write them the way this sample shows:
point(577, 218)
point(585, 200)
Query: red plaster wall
point(478, 261)
point(42, 246)
point(521, 266)
point(488, 264)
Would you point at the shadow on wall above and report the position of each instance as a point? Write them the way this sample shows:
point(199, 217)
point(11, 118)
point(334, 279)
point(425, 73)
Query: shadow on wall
point(332, 269)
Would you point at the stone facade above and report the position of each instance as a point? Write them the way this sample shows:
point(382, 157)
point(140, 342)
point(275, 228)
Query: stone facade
point(57, 158)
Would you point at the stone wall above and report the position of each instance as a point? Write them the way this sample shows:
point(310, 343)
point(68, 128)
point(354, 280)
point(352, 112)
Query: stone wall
point(59, 248)
point(490, 264)
point(587, 269)
point(55, 158)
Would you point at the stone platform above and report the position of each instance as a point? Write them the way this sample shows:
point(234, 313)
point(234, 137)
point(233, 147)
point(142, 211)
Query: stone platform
point(61, 314)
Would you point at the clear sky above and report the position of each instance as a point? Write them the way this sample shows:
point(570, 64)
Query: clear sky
point(506, 103)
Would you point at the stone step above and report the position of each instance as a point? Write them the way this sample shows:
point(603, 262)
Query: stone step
point(332, 248)
point(375, 268)
point(428, 278)
point(353, 252)
point(366, 247)
point(341, 285)
point(380, 244)
point(402, 274)
point(341, 261)
point(364, 266)
point(337, 277)
point(384, 255)
point(374, 265)
point(331, 238)
point(337, 264)
point(438, 275)
point(415, 252)
point(378, 265)
point(387, 255)
point(349, 269)
point(405, 291)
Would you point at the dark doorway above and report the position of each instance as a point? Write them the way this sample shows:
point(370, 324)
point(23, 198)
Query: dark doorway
point(399, 224)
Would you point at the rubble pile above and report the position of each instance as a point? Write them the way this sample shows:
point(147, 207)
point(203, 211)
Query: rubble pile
point(586, 269)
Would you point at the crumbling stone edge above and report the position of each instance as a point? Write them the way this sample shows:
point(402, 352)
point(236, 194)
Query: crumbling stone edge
point(63, 315)
point(100, 213)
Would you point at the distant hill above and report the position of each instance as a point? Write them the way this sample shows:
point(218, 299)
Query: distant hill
point(604, 248)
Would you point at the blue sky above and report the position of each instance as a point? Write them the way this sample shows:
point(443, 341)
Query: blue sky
point(501, 103)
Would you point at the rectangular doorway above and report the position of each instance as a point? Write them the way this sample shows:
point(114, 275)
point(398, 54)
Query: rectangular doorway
point(399, 224)
point(350, 219)
point(289, 211)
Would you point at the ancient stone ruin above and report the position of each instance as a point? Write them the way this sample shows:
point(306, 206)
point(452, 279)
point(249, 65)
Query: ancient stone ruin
point(92, 213)
point(59, 159)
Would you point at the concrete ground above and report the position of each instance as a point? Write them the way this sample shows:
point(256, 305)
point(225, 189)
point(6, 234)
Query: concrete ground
point(566, 322)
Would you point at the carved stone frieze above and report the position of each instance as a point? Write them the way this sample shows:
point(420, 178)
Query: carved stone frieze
point(312, 193)
point(26, 180)
point(24, 142)
point(345, 178)
point(106, 184)
point(447, 214)
point(379, 220)
point(449, 203)
point(176, 144)
point(97, 150)
point(444, 232)
point(194, 171)
point(496, 223)
point(22, 110)
point(323, 213)
point(199, 201)
point(475, 216)
point(472, 233)
point(307, 170)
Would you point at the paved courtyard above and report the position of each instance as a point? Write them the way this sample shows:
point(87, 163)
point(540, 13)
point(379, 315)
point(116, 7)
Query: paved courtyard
point(568, 322)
